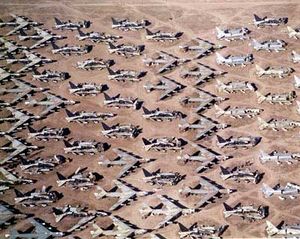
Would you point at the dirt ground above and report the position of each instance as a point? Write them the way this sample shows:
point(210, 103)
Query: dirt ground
point(195, 19)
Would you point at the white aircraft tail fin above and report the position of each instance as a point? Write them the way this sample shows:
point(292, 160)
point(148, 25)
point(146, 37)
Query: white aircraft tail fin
point(261, 98)
point(271, 229)
point(259, 71)
point(267, 190)
point(262, 123)
point(97, 232)
point(219, 111)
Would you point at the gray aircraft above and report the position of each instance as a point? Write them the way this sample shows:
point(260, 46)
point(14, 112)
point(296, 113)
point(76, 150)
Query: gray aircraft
point(6, 75)
point(84, 147)
point(238, 142)
point(238, 112)
point(278, 124)
point(207, 189)
point(280, 157)
point(293, 32)
point(162, 178)
point(9, 215)
point(230, 60)
point(235, 87)
point(167, 85)
point(239, 174)
point(35, 197)
point(169, 207)
point(86, 89)
point(97, 37)
point(280, 72)
point(9, 48)
point(161, 115)
point(128, 160)
point(266, 21)
point(85, 117)
point(164, 144)
point(270, 45)
point(50, 76)
point(126, 50)
point(94, 64)
point(68, 25)
point(67, 50)
point(125, 75)
point(285, 98)
point(121, 131)
point(231, 34)
point(295, 57)
point(285, 230)
point(291, 191)
point(123, 191)
point(47, 133)
point(118, 101)
point(163, 36)
point(249, 213)
point(127, 25)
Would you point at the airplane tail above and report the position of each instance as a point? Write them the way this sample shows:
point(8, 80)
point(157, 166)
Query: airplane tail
point(267, 190)
point(57, 21)
point(259, 70)
point(67, 144)
point(220, 139)
point(57, 214)
point(98, 231)
point(224, 171)
point(69, 113)
point(54, 46)
point(72, 85)
point(22, 35)
point(261, 98)
point(257, 18)
point(105, 126)
point(262, 156)
point(100, 193)
point(146, 173)
point(220, 33)
point(61, 179)
point(227, 208)
point(111, 46)
point(290, 31)
point(182, 228)
point(146, 111)
point(220, 58)
point(80, 33)
point(145, 210)
point(110, 71)
point(86, 24)
point(146, 142)
point(219, 111)
point(18, 193)
point(31, 130)
point(262, 123)
point(271, 229)
point(114, 21)
point(106, 96)
point(148, 32)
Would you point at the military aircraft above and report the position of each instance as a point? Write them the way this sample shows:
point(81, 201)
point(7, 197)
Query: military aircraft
point(17, 148)
point(50, 76)
point(164, 144)
point(207, 189)
point(118, 101)
point(40, 230)
point(239, 174)
point(126, 194)
point(204, 100)
point(84, 147)
point(270, 45)
point(9, 48)
point(238, 142)
point(231, 34)
point(127, 159)
point(278, 124)
point(169, 207)
point(279, 157)
point(120, 229)
point(121, 131)
point(291, 191)
point(37, 197)
point(230, 60)
point(85, 117)
point(125, 75)
point(249, 213)
point(274, 72)
point(161, 115)
point(266, 21)
point(127, 25)
point(167, 85)
point(80, 179)
point(94, 64)
point(285, 98)
point(293, 32)
point(68, 25)
point(238, 112)
point(163, 36)
point(47, 133)
point(126, 50)
point(67, 50)
point(97, 37)
point(42, 165)
point(285, 230)
point(295, 57)
point(86, 89)
point(6, 75)
point(9, 215)
point(235, 87)
point(162, 178)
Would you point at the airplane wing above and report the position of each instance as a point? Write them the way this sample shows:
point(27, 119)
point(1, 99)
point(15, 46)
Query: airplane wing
point(18, 28)
point(166, 55)
point(34, 62)
point(207, 183)
point(171, 87)
point(170, 217)
point(123, 229)
point(7, 175)
point(168, 203)
point(45, 39)
point(128, 194)
point(41, 231)
point(166, 66)
point(15, 153)
point(22, 120)
point(125, 154)
point(126, 169)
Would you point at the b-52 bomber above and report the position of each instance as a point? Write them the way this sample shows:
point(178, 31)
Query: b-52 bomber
point(238, 112)
point(231, 34)
point(163, 36)
point(6, 75)
point(161, 115)
point(9, 215)
point(84, 147)
point(67, 50)
point(125, 75)
point(121, 131)
point(86, 89)
point(50, 76)
point(164, 144)
point(68, 25)
point(285, 98)
point(162, 178)
point(118, 101)
point(126, 50)
point(278, 124)
point(97, 37)
point(47, 133)
point(230, 60)
point(9, 48)
point(235, 87)
point(239, 174)
point(280, 157)
point(126, 194)
point(127, 25)
point(293, 32)
point(270, 45)
point(85, 117)
point(283, 229)
point(249, 213)
point(295, 57)
point(94, 64)
point(238, 142)
point(266, 21)
point(280, 72)
point(167, 85)
point(291, 190)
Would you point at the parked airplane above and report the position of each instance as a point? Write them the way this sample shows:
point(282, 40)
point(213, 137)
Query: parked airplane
point(118, 101)
point(68, 25)
point(94, 64)
point(238, 112)
point(280, 157)
point(85, 117)
point(161, 115)
point(10, 215)
point(235, 87)
point(266, 21)
point(127, 25)
point(230, 60)
point(86, 89)
point(285, 98)
point(9, 48)
point(47, 133)
point(163, 36)
point(126, 50)
point(84, 147)
point(291, 191)
point(231, 34)
point(249, 213)
point(97, 37)
point(270, 45)
point(67, 50)
point(6, 75)
point(121, 130)
point(274, 72)
point(285, 230)
point(50, 76)
point(162, 178)
point(125, 75)
point(239, 174)
point(238, 142)
point(295, 57)
point(293, 32)
point(164, 144)
point(278, 124)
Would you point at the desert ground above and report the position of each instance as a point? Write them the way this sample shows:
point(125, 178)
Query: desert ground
point(194, 19)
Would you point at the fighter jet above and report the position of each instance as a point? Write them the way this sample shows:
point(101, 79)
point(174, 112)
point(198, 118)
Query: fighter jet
point(164, 144)
point(126, 50)
point(238, 112)
point(162, 178)
point(163, 36)
point(94, 64)
point(86, 89)
point(125, 75)
point(50, 76)
point(97, 37)
point(127, 25)
point(295, 57)
point(68, 25)
point(274, 72)
point(285, 230)
point(293, 32)
point(120, 229)
point(67, 50)
point(231, 34)
point(118, 101)
point(270, 45)
point(167, 85)
point(239, 174)
point(121, 131)
point(169, 207)
point(266, 21)
point(238, 142)
point(235, 87)
point(249, 213)
point(37, 197)
point(207, 189)
point(126, 194)
point(47, 133)
point(85, 117)
point(280, 157)
point(285, 98)
point(84, 147)
point(161, 115)
point(9, 48)
point(278, 124)
point(230, 60)
point(291, 191)
point(9, 215)
point(6, 75)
